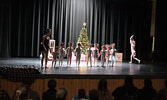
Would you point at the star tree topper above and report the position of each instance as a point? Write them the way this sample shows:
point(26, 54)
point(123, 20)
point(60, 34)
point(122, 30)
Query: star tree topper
point(84, 24)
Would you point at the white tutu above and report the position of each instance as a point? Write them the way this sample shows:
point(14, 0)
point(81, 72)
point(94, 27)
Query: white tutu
point(113, 58)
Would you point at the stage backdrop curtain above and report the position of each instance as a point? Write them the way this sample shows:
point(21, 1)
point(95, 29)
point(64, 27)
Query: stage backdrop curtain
point(23, 23)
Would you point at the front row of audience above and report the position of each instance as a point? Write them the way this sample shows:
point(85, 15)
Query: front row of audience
point(126, 92)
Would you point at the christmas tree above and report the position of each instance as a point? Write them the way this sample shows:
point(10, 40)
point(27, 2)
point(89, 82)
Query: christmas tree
point(83, 38)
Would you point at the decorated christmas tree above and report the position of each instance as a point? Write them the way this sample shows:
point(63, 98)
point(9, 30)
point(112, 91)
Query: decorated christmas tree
point(83, 38)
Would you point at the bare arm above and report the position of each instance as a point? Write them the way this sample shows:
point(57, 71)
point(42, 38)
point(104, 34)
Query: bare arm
point(66, 50)
point(43, 39)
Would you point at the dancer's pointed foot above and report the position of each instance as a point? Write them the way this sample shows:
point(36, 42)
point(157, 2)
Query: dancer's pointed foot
point(130, 62)
point(139, 61)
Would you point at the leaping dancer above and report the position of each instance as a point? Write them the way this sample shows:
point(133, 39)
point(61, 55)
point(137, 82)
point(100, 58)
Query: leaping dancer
point(133, 51)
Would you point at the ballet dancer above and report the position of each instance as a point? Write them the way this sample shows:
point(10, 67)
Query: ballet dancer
point(78, 50)
point(61, 54)
point(96, 54)
point(102, 53)
point(108, 53)
point(133, 51)
point(45, 47)
point(69, 51)
point(89, 54)
point(113, 54)
point(55, 54)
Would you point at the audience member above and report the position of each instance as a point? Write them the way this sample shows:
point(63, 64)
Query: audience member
point(126, 92)
point(81, 95)
point(94, 95)
point(147, 92)
point(3, 94)
point(104, 93)
point(61, 94)
point(163, 92)
point(25, 92)
point(50, 94)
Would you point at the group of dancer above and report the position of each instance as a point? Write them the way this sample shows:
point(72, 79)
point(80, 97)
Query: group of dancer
point(104, 54)
point(91, 53)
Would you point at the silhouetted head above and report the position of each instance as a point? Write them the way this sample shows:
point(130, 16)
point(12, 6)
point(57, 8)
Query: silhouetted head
point(52, 84)
point(128, 80)
point(147, 82)
point(81, 93)
point(93, 95)
point(27, 82)
point(102, 84)
point(48, 32)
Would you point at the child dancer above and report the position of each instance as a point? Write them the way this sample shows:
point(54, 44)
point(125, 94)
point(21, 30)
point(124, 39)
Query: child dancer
point(89, 55)
point(113, 54)
point(102, 53)
point(108, 52)
point(61, 54)
point(78, 53)
point(55, 54)
point(96, 54)
point(133, 51)
point(69, 51)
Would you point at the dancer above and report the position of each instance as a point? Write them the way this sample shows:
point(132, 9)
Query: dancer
point(133, 51)
point(69, 51)
point(78, 53)
point(45, 47)
point(61, 54)
point(108, 53)
point(55, 54)
point(89, 55)
point(96, 54)
point(102, 53)
point(113, 54)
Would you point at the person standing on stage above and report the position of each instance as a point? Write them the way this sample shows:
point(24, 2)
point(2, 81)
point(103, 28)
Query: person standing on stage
point(102, 53)
point(108, 53)
point(89, 55)
point(45, 47)
point(61, 54)
point(133, 51)
point(69, 51)
point(55, 54)
point(78, 50)
point(113, 54)
point(96, 54)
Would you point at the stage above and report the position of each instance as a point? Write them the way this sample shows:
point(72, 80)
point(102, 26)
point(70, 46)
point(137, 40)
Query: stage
point(83, 71)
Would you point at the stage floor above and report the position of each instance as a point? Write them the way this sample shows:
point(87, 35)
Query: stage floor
point(120, 68)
